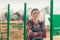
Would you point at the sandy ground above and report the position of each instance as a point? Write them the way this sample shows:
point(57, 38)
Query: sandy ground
point(54, 37)
point(18, 34)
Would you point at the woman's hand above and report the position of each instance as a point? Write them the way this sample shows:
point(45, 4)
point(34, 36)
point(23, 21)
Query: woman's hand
point(40, 33)
point(30, 31)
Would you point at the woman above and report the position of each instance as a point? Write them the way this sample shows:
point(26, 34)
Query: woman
point(35, 28)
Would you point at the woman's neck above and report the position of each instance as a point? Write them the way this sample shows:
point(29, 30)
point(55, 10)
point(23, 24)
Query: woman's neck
point(35, 21)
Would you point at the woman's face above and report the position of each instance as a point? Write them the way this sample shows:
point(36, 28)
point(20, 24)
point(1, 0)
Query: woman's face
point(35, 14)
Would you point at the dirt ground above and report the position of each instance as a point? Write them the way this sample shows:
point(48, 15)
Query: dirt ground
point(54, 37)
point(18, 34)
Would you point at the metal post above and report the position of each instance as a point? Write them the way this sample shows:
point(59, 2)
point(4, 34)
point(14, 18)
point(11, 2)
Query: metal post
point(51, 20)
point(24, 21)
point(8, 23)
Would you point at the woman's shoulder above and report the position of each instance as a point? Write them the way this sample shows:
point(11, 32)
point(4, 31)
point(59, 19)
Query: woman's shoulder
point(28, 22)
point(41, 21)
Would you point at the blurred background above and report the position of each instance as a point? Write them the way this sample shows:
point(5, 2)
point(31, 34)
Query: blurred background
point(56, 22)
point(17, 14)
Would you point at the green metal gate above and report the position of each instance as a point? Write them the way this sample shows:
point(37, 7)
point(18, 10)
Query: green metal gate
point(8, 24)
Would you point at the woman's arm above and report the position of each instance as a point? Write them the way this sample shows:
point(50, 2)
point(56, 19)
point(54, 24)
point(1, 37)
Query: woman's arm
point(28, 27)
point(44, 31)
